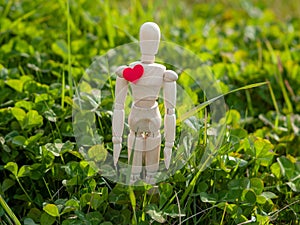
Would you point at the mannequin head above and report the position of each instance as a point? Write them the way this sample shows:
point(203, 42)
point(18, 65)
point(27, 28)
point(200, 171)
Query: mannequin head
point(149, 41)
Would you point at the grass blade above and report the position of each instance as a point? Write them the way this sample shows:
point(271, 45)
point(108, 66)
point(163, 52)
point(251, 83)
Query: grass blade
point(274, 103)
point(8, 210)
point(206, 103)
point(213, 153)
point(70, 78)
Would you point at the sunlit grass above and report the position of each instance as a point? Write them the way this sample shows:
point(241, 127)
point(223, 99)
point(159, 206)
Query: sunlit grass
point(252, 49)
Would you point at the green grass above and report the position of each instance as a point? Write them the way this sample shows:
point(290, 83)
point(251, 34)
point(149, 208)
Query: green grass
point(251, 47)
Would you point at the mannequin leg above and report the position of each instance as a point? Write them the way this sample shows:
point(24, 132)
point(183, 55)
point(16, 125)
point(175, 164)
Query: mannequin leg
point(135, 144)
point(152, 157)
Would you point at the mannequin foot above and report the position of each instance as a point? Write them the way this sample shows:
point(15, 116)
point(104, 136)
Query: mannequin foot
point(150, 178)
point(134, 178)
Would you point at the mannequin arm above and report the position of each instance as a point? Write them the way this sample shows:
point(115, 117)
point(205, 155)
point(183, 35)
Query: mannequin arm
point(118, 113)
point(170, 91)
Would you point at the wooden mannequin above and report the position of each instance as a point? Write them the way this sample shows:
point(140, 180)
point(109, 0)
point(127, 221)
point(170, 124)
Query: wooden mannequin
point(146, 78)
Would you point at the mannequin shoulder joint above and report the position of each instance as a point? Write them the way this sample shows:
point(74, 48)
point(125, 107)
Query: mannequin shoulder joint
point(170, 76)
point(119, 71)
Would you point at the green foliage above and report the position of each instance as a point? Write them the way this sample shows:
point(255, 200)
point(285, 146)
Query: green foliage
point(45, 47)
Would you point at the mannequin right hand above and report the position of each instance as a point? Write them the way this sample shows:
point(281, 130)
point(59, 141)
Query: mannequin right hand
point(167, 155)
point(116, 152)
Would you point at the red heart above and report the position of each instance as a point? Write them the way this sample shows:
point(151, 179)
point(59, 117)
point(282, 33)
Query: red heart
point(134, 74)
